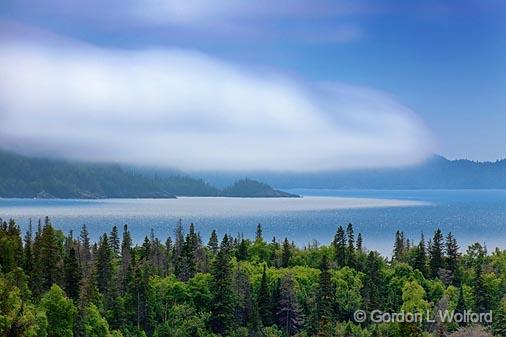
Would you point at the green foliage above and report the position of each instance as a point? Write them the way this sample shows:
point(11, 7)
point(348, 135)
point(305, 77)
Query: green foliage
point(253, 288)
point(60, 311)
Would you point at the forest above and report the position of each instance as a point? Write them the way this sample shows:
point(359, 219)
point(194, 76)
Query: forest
point(58, 284)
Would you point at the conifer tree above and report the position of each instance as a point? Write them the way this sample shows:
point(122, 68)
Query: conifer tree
point(350, 252)
point(452, 258)
point(481, 298)
point(213, 242)
point(71, 271)
point(51, 256)
point(372, 283)
point(28, 253)
point(290, 318)
point(114, 241)
point(359, 243)
point(126, 258)
point(340, 247)
point(258, 234)
point(103, 265)
point(420, 261)
point(264, 300)
point(223, 298)
point(85, 253)
point(461, 304)
point(286, 254)
point(325, 296)
point(399, 247)
point(242, 251)
point(436, 253)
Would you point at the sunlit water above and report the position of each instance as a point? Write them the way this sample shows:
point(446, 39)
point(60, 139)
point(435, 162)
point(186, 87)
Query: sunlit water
point(471, 215)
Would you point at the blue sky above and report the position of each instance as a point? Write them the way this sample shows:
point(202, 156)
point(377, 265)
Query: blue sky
point(444, 60)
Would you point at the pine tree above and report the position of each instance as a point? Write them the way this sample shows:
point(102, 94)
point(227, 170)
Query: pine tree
point(289, 313)
point(452, 258)
point(436, 254)
point(264, 300)
point(325, 296)
point(340, 247)
point(223, 298)
point(213, 242)
point(286, 254)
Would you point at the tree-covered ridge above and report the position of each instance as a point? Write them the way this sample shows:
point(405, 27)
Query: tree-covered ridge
point(252, 188)
point(22, 177)
point(57, 285)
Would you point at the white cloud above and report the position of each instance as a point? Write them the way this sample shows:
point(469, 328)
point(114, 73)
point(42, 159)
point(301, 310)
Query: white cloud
point(177, 108)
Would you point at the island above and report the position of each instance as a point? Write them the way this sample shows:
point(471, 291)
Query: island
point(43, 178)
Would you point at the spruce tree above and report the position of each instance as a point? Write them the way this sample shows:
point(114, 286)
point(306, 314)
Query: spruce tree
point(359, 243)
point(340, 247)
point(420, 261)
point(28, 253)
point(258, 234)
point(222, 292)
point(213, 242)
point(452, 258)
point(481, 298)
point(286, 254)
point(114, 241)
point(399, 247)
point(436, 253)
point(325, 295)
point(371, 291)
point(242, 251)
point(126, 258)
point(290, 318)
point(71, 270)
point(264, 300)
point(103, 265)
point(85, 253)
point(350, 252)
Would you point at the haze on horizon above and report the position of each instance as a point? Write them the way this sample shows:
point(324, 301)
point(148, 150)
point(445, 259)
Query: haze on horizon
point(228, 86)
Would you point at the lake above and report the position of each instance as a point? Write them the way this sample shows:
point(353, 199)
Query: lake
point(472, 215)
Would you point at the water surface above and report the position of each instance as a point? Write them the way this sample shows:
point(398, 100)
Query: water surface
point(472, 215)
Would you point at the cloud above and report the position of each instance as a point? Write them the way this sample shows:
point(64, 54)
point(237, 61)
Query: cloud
point(261, 19)
point(177, 108)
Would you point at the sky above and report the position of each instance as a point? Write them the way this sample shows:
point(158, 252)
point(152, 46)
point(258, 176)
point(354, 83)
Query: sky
point(267, 85)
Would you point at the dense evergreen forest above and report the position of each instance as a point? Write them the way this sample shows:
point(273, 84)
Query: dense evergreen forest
point(23, 177)
point(52, 284)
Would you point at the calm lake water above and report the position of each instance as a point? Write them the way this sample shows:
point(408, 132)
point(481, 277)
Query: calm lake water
point(472, 215)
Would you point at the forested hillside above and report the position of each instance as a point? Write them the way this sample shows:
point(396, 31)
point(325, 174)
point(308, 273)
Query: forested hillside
point(435, 173)
point(59, 285)
point(23, 177)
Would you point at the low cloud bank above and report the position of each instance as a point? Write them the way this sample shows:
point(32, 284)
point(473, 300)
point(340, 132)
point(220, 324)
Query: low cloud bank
point(176, 108)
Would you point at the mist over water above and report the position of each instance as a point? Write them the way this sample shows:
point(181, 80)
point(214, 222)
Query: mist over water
point(471, 215)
